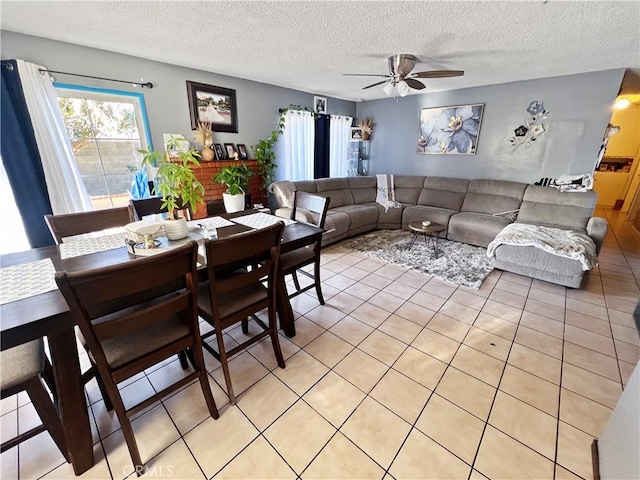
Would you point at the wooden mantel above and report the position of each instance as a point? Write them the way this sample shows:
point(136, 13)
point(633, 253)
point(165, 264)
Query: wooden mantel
point(214, 191)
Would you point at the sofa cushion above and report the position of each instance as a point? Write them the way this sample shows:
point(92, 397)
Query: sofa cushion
point(418, 213)
point(493, 196)
point(308, 186)
point(475, 228)
point(391, 219)
point(341, 222)
point(550, 206)
point(337, 189)
point(363, 189)
point(443, 192)
point(361, 217)
point(407, 188)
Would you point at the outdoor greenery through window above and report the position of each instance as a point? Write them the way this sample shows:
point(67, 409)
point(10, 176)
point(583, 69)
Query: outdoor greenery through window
point(106, 130)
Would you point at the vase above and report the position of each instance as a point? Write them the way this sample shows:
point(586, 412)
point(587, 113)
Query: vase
point(365, 135)
point(233, 203)
point(207, 154)
point(175, 229)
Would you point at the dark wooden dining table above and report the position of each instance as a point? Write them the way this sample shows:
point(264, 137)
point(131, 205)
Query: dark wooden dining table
point(48, 315)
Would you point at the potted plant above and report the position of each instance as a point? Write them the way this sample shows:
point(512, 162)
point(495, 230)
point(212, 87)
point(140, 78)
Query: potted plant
point(366, 125)
point(204, 135)
point(236, 178)
point(177, 185)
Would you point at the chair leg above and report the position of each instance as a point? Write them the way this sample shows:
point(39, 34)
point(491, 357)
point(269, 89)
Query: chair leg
point(316, 275)
point(245, 326)
point(184, 363)
point(47, 413)
point(47, 376)
point(198, 360)
point(225, 366)
point(103, 391)
point(294, 275)
point(275, 341)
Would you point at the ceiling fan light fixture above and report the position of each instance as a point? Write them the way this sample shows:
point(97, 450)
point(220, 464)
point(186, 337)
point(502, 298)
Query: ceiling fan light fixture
point(388, 89)
point(403, 88)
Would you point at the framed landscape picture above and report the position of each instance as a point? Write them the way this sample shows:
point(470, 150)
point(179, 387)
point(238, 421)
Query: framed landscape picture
point(450, 130)
point(213, 104)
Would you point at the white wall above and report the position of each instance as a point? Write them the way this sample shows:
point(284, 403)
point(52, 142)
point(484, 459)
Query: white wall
point(580, 106)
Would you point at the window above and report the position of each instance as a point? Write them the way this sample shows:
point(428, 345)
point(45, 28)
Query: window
point(106, 128)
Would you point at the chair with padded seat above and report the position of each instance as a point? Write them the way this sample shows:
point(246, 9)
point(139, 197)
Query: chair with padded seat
point(134, 315)
point(234, 292)
point(312, 209)
point(71, 224)
point(23, 368)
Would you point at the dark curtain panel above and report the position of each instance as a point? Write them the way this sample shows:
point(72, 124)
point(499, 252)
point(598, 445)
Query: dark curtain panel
point(21, 158)
point(321, 147)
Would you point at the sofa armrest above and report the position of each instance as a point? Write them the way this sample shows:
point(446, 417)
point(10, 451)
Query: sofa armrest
point(597, 229)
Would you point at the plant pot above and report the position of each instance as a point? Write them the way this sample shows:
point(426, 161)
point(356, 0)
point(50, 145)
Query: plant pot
point(366, 135)
point(207, 154)
point(233, 203)
point(175, 229)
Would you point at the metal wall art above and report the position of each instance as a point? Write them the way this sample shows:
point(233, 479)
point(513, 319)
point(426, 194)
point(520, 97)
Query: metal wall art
point(450, 130)
point(533, 127)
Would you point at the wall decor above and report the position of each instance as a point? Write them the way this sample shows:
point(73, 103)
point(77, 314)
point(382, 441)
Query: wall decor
point(242, 150)
point(524, 135)
point(219, 151)
point(230, 149)
point(215, 105)
point(355, 134)
point(320, 104)
point(450, 130)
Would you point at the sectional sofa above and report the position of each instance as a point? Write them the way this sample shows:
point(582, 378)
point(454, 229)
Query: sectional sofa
point(473, 211)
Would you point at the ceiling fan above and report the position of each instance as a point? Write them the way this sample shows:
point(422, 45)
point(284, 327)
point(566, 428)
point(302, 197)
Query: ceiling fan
point(400, 75)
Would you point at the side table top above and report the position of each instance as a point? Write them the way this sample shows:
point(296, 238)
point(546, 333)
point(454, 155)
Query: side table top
point(431, 228)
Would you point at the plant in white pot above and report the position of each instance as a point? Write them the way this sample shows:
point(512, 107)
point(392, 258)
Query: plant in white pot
point(178, 187)
point(236, 178)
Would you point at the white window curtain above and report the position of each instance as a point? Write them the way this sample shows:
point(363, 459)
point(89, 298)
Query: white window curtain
point(299, 137)
point(67, 192)
point(339, 130)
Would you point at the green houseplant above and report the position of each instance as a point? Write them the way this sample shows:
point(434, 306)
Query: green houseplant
point(176, 184)
point(236, 178)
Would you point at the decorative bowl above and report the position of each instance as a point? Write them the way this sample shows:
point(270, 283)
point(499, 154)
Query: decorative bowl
point(426, 223)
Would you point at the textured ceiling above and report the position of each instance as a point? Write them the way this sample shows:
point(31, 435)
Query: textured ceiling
point(308, 45)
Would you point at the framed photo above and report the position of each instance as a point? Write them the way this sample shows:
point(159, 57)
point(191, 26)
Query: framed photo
point(450, 130)
point(355, 134)
point(320, 104)
point(219, 151)
point(230, 149)
point(213, 104)
point(174, 144)
point(242, 151)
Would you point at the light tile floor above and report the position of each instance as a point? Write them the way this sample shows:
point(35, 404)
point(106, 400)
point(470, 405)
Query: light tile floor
point(399, 375)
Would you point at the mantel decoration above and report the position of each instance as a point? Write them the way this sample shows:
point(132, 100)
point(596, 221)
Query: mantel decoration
point(450, 130)
point(204, 135)
point(366, 125)
point(533, 127)
point(215, 105)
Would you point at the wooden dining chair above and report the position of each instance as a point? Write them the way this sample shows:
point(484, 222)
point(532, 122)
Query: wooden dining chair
point(235, 292)
point(22, 370)
point(70, 224)
point(150, 206)
point(313, 209)
point(134, 315)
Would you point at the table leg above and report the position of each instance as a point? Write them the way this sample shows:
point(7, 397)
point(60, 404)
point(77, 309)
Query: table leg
point(71, 399)
point(285, 312)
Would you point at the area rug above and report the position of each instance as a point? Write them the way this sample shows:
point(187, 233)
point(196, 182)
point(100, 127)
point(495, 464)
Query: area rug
point(457, 262)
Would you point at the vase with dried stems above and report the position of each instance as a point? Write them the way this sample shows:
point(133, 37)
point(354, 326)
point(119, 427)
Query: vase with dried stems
point(366, 125)
point(204, 135)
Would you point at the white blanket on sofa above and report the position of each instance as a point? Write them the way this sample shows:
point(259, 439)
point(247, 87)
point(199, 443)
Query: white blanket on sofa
point(564, 243)
point(386, 195)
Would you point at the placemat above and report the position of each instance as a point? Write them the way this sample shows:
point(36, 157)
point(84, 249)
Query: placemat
point(210, 223)
point(261, 220)
point(86, 246)
point(26, 280)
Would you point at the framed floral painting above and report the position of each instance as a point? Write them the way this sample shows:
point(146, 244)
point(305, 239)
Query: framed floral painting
point(450, 130)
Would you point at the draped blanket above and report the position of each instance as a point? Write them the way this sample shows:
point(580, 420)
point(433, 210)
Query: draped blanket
point(386, 195)
point(564, 243)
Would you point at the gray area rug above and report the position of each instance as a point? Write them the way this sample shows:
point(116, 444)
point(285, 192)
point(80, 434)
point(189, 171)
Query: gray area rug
point(457, 262)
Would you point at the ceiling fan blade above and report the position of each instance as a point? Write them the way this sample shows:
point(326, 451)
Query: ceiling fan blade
point(376, 84)
point(364, 75)
point(438, 74)
point(415, 84)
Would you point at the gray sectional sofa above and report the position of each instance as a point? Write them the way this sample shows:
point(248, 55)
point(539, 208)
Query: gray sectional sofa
point(474, 212)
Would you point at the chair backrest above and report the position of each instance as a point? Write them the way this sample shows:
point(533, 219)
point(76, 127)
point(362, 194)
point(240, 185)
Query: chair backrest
point(146, 206)
point(131, 297)
point(70, 224)
point(228, 257)
point(315, 204)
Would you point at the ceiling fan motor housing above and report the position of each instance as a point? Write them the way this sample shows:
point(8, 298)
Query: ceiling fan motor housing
point(401, 65)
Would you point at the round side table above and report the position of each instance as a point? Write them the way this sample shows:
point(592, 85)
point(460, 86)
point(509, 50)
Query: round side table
point(430, 231)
